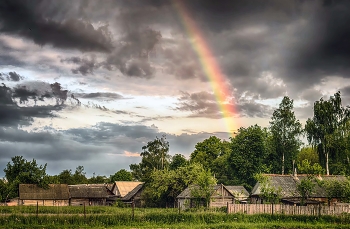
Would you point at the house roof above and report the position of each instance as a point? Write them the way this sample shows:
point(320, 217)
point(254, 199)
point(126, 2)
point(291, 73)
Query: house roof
point(185, 194)
point(122, 188)
point(238, 191)
point(89, 191)
point(288, 184)
point(133, 192)
point(34, 192)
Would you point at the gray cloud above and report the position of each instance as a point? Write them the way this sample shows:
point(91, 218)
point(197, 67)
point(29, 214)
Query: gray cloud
point(27, 19)
point(99, 96)
point(11, 76)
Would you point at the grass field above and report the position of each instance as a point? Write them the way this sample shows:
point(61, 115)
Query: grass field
point(112, 217)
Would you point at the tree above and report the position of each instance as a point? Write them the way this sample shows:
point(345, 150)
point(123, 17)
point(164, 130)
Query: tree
point(79, 175)
point(177, 161)
point(166, 185)
point(97, 179)
point(248, 156)
point(306, 188)
point(213, 153)
point(327, 129)
point(121, 175)
point(307, 162)
point(66, 177)
point(155, 156)
point(285, 129)
point(21, 171)
point(269, 193)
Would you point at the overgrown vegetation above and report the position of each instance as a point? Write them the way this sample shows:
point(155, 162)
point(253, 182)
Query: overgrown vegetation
point(109, 217)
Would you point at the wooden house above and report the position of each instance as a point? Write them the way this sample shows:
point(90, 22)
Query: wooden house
point(122, 188)
point(287, 188)
point(239, 192)
point(220, 196)
point(54, 195)
point(90, 195)
point(134, 196)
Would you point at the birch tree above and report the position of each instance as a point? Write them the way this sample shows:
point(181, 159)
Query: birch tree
point(285, 130)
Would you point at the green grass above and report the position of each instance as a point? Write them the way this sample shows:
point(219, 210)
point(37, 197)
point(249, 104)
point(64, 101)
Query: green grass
point(112, 217)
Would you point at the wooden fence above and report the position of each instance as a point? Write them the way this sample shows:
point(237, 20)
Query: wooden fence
point(316, 210)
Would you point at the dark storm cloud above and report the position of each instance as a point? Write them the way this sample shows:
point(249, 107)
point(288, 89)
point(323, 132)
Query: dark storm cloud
point(87, 65)
point(204, 104)
point(11, 76)
point(11, 114)
point(34, 21)
point(99, 96)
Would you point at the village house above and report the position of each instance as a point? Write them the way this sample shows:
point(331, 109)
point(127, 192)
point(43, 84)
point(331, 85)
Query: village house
point(220, 196)
point(54, 195)
point(90, 195)
point(122, 188)
point(240, 193)
point(286, 187)
point(134, 196)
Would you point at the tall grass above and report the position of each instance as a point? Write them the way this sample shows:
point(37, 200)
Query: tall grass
point(111, 217)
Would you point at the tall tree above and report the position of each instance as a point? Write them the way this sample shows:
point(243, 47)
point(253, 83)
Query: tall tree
point(121, 175)
point(166, 185)
point(177, 161)
point(155, 156)
point(285, 129)
point(327, 128)
point(248, 156)
point(213, 154)
point(21, 171)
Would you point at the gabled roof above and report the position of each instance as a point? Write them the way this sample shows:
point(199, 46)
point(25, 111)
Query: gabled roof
point(89, 191)
point(133, 192)
point(34, 192)
point(238, 191)
point(288, 184)
point(185, 194)
point(122, 188)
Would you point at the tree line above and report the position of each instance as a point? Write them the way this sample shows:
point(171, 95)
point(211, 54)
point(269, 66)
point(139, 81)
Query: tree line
point(253, 150)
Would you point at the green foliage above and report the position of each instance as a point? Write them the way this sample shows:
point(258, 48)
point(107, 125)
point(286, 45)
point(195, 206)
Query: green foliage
point(305, 167)
point(21, 171)
point(98, 179)
point(248, 156)
point(285, 129)
point(308, 153)
point(306, 188)
point(269, 193)
point(3, 190)
point(328, 131)
point(337, 189)
point(112, 217)
point(121, 175)
point(177, 161)
point(155, 156)
point(166, 185)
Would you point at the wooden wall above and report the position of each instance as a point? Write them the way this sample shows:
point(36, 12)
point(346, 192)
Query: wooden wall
point(44, 202)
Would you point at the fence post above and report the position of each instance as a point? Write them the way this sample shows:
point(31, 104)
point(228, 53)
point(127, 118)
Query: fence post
point(319, 209)
point(37, 209)
point(133, 209)
point(272, 208)
point(84, 211)
point(227, 208)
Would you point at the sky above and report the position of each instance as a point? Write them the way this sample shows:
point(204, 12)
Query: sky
point(90, 82)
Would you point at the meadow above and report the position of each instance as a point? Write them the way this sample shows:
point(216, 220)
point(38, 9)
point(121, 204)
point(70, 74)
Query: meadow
point(113, 217)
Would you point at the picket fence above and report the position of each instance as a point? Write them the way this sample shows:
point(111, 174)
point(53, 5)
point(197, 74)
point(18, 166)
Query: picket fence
point(315, 210)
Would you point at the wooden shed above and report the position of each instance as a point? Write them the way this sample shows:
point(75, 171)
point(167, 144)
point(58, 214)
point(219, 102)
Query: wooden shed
point(239, 192)
point(54, 195)
point(287, 185)
point(220, 196)
point(89, 194)
point(134, 196)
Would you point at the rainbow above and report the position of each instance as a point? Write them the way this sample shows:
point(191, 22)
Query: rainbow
point(210, 67)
